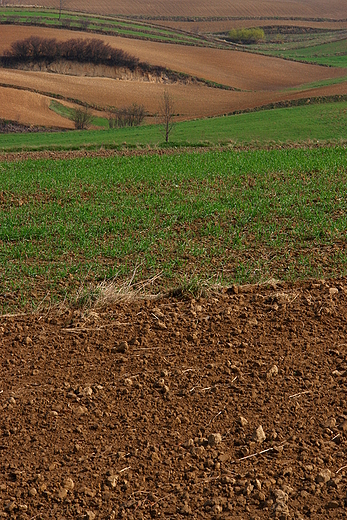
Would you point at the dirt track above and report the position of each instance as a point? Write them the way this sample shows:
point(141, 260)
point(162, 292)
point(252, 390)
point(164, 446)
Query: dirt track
point(153, 409)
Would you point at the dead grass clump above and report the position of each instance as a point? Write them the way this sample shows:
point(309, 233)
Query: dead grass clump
point(110, 292)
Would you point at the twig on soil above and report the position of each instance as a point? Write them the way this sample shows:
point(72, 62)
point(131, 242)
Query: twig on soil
point(213, 418)
point(336, 436)
point(338, 471)
point(258, 453)
point(147, 348)
point(301, 393)
point(13, 315)
point(82, 329)
point(124, 469)
point(295, 297)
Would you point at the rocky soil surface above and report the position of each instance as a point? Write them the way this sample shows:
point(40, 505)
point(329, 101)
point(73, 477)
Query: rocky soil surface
point(229, 406)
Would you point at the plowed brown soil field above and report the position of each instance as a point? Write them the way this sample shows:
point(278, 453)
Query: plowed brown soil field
point(236, 69)
point(230, 406)
point(332, 9)
point(191, 101)
point(263, 78)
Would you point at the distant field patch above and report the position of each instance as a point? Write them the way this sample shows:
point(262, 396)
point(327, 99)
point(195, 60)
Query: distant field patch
point(84, 22)
point(333, 54)
point(312, 9)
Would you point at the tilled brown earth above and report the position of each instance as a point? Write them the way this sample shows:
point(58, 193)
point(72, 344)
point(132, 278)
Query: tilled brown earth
point(231, 406)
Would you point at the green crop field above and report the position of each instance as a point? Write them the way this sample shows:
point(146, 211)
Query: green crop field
point(93, 23)
point(326, 121)
point(333, 54)
point(220, 217)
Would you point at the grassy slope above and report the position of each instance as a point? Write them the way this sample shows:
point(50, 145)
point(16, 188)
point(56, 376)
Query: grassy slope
point(316, 122)
point(227, 216)
point(333, 54)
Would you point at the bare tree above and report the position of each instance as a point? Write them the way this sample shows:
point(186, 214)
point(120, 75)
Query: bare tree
point(167, 107)
point(61, 5)
point(82, 118)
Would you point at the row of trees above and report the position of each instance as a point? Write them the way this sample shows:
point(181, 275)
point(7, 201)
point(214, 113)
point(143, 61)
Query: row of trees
point(89, 50)
point(130, 116)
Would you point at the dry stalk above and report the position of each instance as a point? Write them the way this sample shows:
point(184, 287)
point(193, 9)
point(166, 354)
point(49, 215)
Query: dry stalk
point(110, 292)
point(300, 393)
point(258, 453)
point(343, 467)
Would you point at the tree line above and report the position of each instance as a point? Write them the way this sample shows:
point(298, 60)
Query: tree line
point(35, 48)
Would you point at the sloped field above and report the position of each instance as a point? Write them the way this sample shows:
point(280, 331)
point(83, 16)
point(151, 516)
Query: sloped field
point(194, 8)
point(236, 69)
point(29, 108)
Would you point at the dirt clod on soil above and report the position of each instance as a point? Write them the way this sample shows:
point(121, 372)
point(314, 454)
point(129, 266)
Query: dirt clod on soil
point(165, 409)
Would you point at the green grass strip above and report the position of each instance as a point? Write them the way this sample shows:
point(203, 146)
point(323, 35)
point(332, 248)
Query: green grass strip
point(225, 216)
point(317, 122)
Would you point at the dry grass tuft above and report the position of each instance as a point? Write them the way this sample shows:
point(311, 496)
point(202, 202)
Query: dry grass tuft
point(110, 292)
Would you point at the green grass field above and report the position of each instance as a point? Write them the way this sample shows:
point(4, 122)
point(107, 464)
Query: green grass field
point(333, 54)
point(93, 23)
point(323, 122)
point(218, 216)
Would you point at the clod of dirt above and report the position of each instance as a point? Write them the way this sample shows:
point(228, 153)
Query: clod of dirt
point(243, 421)
point(69, 484)
point(323, 476)
point(333, 290)
point(123, 347)
point(259, 435)
point(273, 372)
point(214, 439)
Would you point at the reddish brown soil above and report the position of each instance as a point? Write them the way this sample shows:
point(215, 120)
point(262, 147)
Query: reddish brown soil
point(332, 9)
point(149, 409)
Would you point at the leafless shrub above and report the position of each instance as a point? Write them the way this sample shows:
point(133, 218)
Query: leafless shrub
point(128, 116)
point(82, 118)
point(166, 114)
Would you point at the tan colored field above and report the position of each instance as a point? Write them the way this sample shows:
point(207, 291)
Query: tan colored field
point(29, 108)
point(240, 70)
point(332, 9)
point(191, 101)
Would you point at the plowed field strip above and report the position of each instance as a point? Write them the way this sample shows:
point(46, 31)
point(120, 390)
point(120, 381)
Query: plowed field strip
point(236, 69)
point(29, 108)
point(336, 9)
point(191, 101)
